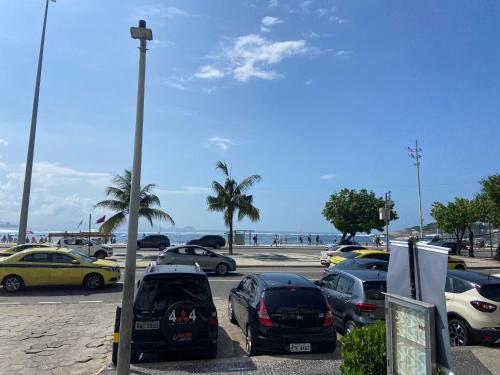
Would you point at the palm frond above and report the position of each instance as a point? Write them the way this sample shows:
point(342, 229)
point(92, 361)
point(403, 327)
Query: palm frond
point(247, 209)
point(156, 214)
point(148, 200)
point(248, 182)
point(113, 205)
point(112, 223)
point(216, 203)
point(223, 167)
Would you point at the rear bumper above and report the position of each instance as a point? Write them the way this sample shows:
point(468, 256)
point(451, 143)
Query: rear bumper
point(325, 341)
point(159, 346)
point(486, 336)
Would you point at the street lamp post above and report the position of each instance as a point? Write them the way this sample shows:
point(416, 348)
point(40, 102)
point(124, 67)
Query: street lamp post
point(416, 154)
point(387, 215)
point(23, 220)
point(123, 365)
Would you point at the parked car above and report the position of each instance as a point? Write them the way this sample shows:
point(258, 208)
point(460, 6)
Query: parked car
point(53, 266)
point(281, 312)
point(472, 301)
point(333, 250)
point(358, 254)
point(84, 246)
point(154, 241)
point(173, 312)
point(15, 249)
point(356, 297)
point(360, 264)
point(192, 254)
point(209, 241)
point(455, 263)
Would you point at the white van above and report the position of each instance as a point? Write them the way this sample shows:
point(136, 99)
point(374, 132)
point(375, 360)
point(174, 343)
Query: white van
point(83, 245)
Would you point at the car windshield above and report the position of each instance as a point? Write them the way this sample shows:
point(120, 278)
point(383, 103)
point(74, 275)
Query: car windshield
point(81, 256)
point(156, 295)
point(291, 297)
point(491, 291)
point(374, 290)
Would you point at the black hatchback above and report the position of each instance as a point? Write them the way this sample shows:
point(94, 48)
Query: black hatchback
point(209, 241)
point(173, 312)
point(154, 241)
point(282, 312)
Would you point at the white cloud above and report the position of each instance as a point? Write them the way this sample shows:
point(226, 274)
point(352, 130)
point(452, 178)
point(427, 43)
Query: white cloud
point(308, 82)
point(273, 3)
point(220, 142)
point(269, 21)
point(338, 20)
point(175, 83)
point(328, 176)
point(343, 53)
point(185, 190)
point(304, 5)
point(209, 90)
point(209, 72)
point(3, 142)
point(251, 55)
point(161, 11)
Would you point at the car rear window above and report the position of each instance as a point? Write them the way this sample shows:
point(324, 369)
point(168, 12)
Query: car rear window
point(157, 294)
point(293, 297)
point(491, 291)
point(374, 290)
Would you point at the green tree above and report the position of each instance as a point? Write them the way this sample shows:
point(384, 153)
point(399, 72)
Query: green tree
point(230, 198)
point(351, 212)
point(456, 217)
point(490, 203)
point(120, 204)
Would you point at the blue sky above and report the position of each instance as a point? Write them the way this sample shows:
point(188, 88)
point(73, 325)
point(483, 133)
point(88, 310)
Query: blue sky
point(313, 95)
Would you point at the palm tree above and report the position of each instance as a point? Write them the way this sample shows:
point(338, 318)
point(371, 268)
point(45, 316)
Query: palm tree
point(230, 198)
point(120, 203)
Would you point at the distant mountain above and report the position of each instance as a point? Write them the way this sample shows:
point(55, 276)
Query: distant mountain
point(7, 225)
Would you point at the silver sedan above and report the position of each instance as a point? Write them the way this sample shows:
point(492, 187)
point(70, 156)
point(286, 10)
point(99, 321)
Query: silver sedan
point(191, 254)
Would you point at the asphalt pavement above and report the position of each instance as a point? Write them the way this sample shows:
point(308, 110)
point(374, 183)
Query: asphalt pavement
point(220, 285)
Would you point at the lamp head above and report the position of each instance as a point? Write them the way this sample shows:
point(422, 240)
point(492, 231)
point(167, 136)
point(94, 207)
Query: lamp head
point(141, 32)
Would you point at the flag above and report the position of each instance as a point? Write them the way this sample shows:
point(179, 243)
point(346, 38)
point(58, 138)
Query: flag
point(80, 224)
point(101, 220)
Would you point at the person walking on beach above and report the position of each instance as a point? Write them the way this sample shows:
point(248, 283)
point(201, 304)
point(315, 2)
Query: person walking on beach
point(317, 239)
point(309, 240)
point(255, 240)
point(4, 239)
point(275, 240)
point(301, 240)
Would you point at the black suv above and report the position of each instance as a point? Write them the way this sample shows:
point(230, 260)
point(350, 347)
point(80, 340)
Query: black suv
point(158, 241)
point(209, 241)
point(173, 312)
point(282, 312)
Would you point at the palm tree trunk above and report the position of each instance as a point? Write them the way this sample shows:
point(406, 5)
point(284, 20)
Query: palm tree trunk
point(230, 237)
point(471, 244)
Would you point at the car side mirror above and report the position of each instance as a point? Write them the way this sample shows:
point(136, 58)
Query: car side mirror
point(74, 261)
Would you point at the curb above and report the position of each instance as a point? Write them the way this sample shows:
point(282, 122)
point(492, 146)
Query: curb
point(260, 266)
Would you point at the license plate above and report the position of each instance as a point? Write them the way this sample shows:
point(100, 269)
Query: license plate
point(183, 336)
point(300, 348)
point(147, 325)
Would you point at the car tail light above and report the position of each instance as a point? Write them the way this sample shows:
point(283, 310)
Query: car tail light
point(213, 319)
point(366, 307)
point(263, 315)
point(328, 320)
point(483, 306)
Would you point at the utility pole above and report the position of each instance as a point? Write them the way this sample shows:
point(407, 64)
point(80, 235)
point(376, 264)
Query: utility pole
point(387, 215)
point(416, 154)
point(127, 314)
point(23, 220)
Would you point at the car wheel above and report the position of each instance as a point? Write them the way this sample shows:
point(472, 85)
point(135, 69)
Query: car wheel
point(459, 333)
point(230, 312)
point(13, 283)
point(349, 326)
point(134, 357)
point(459, 267)
point(222, 269)
point(100, 255)
point(250, 348)
point(162, 246)
point(93, 281)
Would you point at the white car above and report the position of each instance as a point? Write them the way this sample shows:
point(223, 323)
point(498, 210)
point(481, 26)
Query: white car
point(334, 250)
point(83, 245)
point(472, 301)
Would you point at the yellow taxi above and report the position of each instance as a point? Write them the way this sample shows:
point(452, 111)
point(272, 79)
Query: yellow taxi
point(453, 262)
point(16, 249)
point(358, 254)
point(53, 266)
